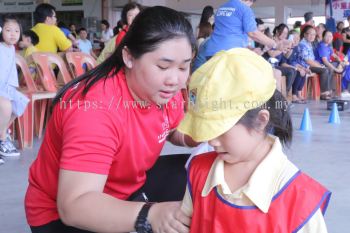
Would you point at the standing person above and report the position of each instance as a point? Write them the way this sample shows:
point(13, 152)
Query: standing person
point(107, 32)
point(205, 30)
point(12, 102)
point(247, 184)
point(51, 38)
point(309, 20)
point(97, 158)
point(207, 16)
point(338, 38)
point(129, 12)
point(346, 38)
point(234, 22)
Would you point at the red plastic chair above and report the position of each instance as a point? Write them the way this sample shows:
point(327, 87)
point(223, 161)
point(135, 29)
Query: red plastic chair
point(45, 63)
point(76, 60)
point(314, 84)
point(35, 112)
point(337, 78)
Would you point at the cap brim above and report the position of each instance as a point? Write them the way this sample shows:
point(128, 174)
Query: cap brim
point(201, 129)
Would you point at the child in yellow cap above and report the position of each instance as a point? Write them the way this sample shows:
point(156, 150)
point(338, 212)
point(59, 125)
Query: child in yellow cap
point(247, 184)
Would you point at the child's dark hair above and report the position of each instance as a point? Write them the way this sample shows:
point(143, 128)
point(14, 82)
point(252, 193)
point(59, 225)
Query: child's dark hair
point(82, 29)
point(280, 123)
point(5, 19)
point(32, 35)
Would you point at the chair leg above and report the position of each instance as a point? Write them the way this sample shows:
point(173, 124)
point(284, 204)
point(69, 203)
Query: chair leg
point(304, 90)
point(316, 89)
point(338, 78)
point(28, 125)
point(41, 117)
point(19, 132)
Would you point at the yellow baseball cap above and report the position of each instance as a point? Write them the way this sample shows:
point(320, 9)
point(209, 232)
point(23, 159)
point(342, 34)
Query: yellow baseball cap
point(223, 89)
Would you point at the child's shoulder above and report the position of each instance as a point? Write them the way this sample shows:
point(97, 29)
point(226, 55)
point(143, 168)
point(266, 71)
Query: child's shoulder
point(203, 160)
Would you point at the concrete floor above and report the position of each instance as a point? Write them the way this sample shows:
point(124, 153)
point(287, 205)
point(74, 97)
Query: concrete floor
point(323, 154)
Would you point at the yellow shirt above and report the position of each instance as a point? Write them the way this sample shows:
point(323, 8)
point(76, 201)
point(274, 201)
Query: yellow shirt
point(107, 51)
point(51, 38)
point(28, 51)
point(265, 182)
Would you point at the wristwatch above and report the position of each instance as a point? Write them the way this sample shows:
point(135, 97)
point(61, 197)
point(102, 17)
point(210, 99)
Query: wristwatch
point(142, 225)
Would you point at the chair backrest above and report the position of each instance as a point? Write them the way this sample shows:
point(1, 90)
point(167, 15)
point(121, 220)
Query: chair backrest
point(28, 78)
point(45, 61)
point(76, 60)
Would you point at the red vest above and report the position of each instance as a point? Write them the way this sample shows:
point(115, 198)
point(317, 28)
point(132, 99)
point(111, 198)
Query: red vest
point(290, 208)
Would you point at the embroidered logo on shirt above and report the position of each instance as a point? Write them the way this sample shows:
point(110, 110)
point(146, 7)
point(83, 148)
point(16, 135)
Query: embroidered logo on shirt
point(193, 96)
point(225, 11)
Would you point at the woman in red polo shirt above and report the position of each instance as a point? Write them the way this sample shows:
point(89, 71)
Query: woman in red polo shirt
point(129, 12)
point(108, 128)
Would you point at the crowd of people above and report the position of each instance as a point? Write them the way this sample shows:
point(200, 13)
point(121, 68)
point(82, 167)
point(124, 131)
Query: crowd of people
point(92, 171)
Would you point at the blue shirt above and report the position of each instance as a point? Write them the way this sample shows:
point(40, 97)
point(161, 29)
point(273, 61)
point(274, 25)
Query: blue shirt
point(65, 31)
point(305, 52)
point(323, 50)
point(292, 59)
point(85, 46)
point(233, 21)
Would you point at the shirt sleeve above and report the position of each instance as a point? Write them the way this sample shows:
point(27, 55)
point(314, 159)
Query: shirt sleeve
point(249, 24)
point(187, 205)
point(63, 43)
point(89, 139)
point(315, 225)
point(322, 50)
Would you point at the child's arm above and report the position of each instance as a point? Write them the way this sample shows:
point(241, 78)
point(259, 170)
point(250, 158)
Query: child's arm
point(187, 205)
point(316, 224)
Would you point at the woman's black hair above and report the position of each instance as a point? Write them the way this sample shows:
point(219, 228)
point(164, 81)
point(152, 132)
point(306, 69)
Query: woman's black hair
point(105, 22)
point(150, 28)
point(305, 29)
point(42, 11)
point(126, 9)
point(280, 122)
point(338, 25)
point(324, 33)
point(207, 12)
point(7, 18)
point(279, 29)
point(34, 38)
point(205, 30)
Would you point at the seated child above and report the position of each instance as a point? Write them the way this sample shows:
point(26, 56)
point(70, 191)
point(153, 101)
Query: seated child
point(84, 44)
point(29, 40)
point(247, 184)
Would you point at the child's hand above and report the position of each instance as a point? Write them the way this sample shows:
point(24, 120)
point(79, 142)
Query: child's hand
point(168, 217)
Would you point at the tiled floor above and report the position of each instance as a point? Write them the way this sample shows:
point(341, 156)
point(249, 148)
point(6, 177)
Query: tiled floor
point(323, 154)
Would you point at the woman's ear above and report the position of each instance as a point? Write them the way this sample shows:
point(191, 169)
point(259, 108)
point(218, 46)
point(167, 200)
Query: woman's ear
point(263, 119)
point(127, 57)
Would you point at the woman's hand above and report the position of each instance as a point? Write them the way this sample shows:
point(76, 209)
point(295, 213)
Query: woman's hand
point(167, 217)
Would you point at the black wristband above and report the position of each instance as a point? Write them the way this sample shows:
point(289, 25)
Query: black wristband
point(142, 225)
